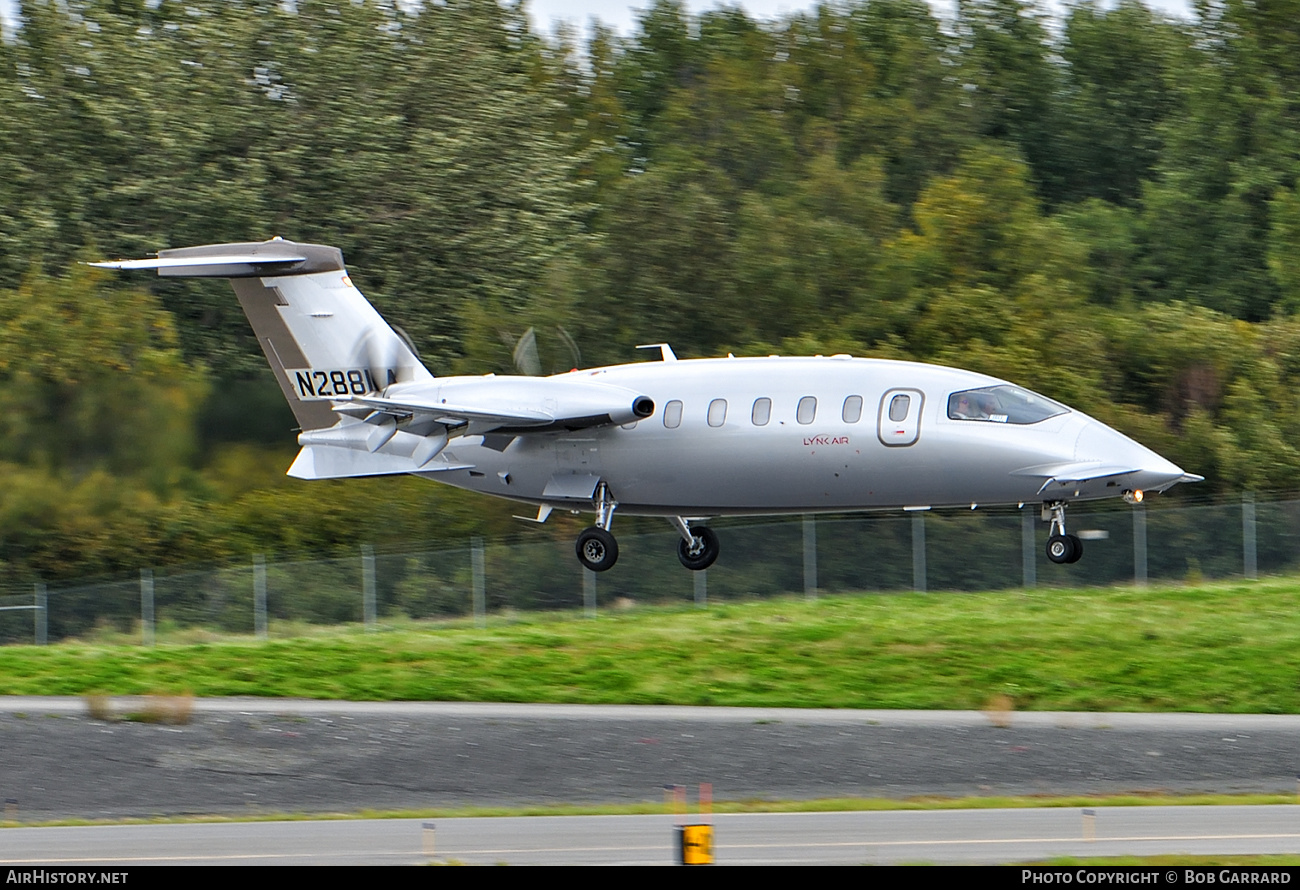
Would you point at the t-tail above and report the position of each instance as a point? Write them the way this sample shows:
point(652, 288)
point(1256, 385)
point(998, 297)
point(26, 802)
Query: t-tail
point(324, 341)
point(321, 337)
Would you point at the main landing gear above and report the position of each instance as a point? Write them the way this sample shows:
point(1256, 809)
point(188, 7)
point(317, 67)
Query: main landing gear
point(598, 551)
point(596, 547)
point(1061, 548)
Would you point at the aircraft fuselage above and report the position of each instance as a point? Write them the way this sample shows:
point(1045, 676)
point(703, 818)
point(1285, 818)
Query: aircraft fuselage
point(724, 456)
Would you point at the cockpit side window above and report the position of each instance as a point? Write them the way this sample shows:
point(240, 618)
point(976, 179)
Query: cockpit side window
point(1002, 404)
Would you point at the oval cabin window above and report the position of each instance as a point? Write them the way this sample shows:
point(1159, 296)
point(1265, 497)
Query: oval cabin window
point(807, 412)
point(673, 414)
point(853, 409)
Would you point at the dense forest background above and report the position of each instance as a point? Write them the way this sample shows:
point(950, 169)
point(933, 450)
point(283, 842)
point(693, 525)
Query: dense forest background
point(1105, 210)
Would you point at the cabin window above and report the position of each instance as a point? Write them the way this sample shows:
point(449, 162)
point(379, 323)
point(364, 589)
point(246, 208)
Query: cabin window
point(898, 408)
point(807, 412)
point(853, 409)
point(717, 412)
point(673, 414)
point(762, 412)
point(1002, 404)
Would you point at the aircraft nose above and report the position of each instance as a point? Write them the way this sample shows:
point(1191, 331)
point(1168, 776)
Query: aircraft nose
point(1151, 471)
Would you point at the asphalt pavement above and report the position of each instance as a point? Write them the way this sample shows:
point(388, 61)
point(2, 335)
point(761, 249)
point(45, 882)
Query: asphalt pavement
point(256, 756)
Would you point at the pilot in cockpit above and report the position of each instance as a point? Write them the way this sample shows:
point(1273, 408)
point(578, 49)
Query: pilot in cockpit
point(968, 408)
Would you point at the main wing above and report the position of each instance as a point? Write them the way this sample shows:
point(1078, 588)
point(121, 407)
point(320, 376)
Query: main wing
point(414, 424)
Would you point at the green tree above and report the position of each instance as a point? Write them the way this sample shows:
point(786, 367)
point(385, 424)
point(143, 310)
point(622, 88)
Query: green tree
point(1006, 67)
point(1121, 83)
point(94, 379)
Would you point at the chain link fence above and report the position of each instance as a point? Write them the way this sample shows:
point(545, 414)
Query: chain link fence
point(871, 553)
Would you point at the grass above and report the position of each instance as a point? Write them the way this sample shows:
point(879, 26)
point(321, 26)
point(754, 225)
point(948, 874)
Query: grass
point(1223, 647)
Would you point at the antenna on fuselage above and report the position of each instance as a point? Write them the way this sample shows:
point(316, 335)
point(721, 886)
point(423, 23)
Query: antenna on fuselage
point(665, 351)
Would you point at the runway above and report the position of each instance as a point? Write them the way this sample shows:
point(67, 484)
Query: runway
point(250, 757)
point(896, 837)
point(239, 757)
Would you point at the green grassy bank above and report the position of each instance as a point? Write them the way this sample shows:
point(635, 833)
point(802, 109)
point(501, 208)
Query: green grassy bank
point(1226, 647)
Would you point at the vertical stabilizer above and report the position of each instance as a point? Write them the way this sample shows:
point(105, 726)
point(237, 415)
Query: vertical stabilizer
point(322, 338)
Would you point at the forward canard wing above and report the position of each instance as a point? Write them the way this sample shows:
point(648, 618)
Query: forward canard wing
point(1074, 472)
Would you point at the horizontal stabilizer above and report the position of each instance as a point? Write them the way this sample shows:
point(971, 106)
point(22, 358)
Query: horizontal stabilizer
point(251, 259)
point(188, 262)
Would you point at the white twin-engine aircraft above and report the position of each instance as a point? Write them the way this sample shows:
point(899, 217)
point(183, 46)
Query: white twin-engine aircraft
point(685, 440)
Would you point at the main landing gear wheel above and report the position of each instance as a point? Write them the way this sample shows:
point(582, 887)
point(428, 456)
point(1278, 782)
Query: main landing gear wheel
point(703, 550)
point(1064, 549)
point(597, 549)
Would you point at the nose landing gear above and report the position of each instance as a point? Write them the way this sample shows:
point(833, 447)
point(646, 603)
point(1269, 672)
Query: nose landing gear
point(699, 548)
point(1061, 547)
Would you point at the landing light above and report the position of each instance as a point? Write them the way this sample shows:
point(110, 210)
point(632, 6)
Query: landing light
point(1133, 496)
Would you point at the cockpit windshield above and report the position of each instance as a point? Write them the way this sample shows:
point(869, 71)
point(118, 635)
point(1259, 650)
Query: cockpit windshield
point(1002, 404)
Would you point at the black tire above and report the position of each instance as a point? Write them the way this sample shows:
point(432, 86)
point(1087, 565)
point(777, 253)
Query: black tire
point(702, 552)
point(1078, 548)
point(597, 549)
point(1060, 549)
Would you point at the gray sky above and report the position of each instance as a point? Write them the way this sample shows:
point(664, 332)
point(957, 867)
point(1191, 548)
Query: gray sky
point(621, 13)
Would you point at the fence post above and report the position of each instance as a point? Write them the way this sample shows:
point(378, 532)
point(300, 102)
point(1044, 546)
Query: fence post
point(368, 586)
point(918, 551)
point(701, 589)
point(259, 596)
point(1248, 556)
point(41, 616)
point(478, 569)
point(809, 556)
point(1140, 545)
point(146, 605)
point(589, 593)
point(1028, 556)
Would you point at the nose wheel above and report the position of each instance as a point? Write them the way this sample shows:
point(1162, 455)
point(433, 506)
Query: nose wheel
point(701, 552)
point(1062, 548)
point(698, 548)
